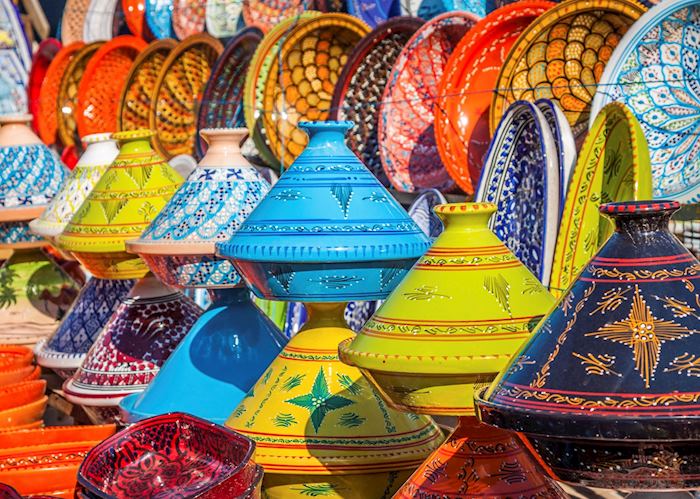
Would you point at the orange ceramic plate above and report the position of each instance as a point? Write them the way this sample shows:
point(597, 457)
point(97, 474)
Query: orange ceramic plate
point(24, 414)
point(42, 479)
point(135, 17)
point(41, 61)
point(471, 73)
point(102, 84)
point(22, 393)
point(13, 356)
point(50, 454)
point(48, 95)
point(26, 373)
point(56, 434)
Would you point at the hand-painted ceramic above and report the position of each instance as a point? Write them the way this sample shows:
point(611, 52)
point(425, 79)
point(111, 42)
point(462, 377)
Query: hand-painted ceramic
point(23, 414)
point(222, 100)
point(373, 12)
point(464, 93)
point(65, 349)
point(613, 166)
point(223, 17)
point(99, 20)
point(158, 15)
point(407, 145)
point(653, 73)
point(256, 77)
point(429, 9)
point(358, 250)
point(41, 61)
point(421, 211)
point(267, 14)
point(100, 151)
point(301, 88)
point(47, 124)
point(135, 17)
point(188, 17)
point(16, 375)
point(180, 243)
point(479, 461)
point(30, 173)
point(14, 38)
point(174, 102)
point(18, 235)
point(178, 453)
point(427, 346)
point(18, 395)
point(67, 99)
point(102, 83)
point(137, 91)
point(624, 336)
point(127, 197)
point(56, 434)
point(13, 84)
point(227, 350)
point(73, 20)
point(562, 56)
point(312, 415)
point(34, 294)
point(564, 141)
point(133, 345)
point(521, 177)
point(12, 356)
point(39, 480)
point(360, 86)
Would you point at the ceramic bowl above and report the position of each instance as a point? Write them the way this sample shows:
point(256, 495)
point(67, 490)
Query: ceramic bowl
point(47, 480)
point(22, 393)
point(18, 235)
point(59, 453)
point(55, 435)
point(24, 414)
point(14, 356)
point(43, 57)
point(187, 456)
point(26, 373)
point(22, 427)
point(73, 20)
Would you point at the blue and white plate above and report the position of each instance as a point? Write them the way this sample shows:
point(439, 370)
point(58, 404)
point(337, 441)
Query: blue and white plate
point(427, 9)
point(12, 36)
point(654, 72)
point(13, 79)
point(564, 141)
point(421, 211)
point(159, 15)
point(521, 177)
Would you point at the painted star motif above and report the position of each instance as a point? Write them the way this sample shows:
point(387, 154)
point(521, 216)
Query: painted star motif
point(644, 334)
point(320, 401)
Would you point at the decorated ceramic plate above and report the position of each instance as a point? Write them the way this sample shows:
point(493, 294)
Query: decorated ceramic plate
point(178, 90)
point(14, 38)
point(361, 85)
point(43, 57)
point(266, 14)
point(421, 211)
point(135, 100)
point(67, 101)
point(13, 82)
point(73, 20)
point(301, 87)
point(564, 142)
point(521, 177)
point(654, 73)
point(255, 82)
point(188, 18)
point(102, 83)
point(407, 146)
point(561, 57)
point(100, 20)
point(613, 165)
point(461, 116)
point(48, 94)
point(373, 12)
point(159, 18)
point(223, 17)
point(222, 102)
point(429, 9)
point(135, 17)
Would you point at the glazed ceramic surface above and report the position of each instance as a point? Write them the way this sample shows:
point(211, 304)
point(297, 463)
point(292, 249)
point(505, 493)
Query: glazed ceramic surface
point(65, 349)
point(100, 20)
point(429, 9)
point(135, 17)
point(158, 17)
point(373, 12)
point(561, 57)
point(73, 20)
point(34, 294)
point(187, 17)
point(479, 461)
point(407, 145)
point(361, 84)
point(613, 166)
point(301, 88)
point(304, 409)
point(624, 334)
point(133, 345)
point(223, 17)
point(521, 177)
point(179, 245)
point(14, 39)
point(267, 14)
point(465, 90)
point(653, 73)
point(38, 480)
point(177, 453)
point(100, 151)
point(286, 250)
point(422, 212)
point(41, 61)
point(212, 369)
point(13, 94)
point(427, 346)
point(137, 91)
point(18, 235)
point(124, 201)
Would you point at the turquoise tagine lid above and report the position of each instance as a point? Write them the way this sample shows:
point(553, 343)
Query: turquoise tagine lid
point(327, 231)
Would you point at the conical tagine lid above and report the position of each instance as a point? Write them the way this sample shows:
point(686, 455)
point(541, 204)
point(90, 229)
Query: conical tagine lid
point(308, 410)
point(626, 336)
point(30, 173)
point(100, 151)
point(209, 207)
point(327, 208)
point(125, 200)
point(453, 321)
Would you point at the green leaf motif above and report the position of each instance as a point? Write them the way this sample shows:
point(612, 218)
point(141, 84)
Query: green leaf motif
point(347, 383)
point(112, 208)
point(499, 288)
point(140, 176)
point(292, 382)
point(351, 420)
point(239, 411)
point(320, 401)
point(266, 376)
point(284, 420)
point(316, 490)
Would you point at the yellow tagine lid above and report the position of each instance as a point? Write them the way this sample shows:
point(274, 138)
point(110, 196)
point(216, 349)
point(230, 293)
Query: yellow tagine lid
point(311, 414)
point(454, 321)
point(127, 197)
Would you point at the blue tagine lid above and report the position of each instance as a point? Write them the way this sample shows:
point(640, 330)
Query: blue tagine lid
point(209, 207)
point(328, 230)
